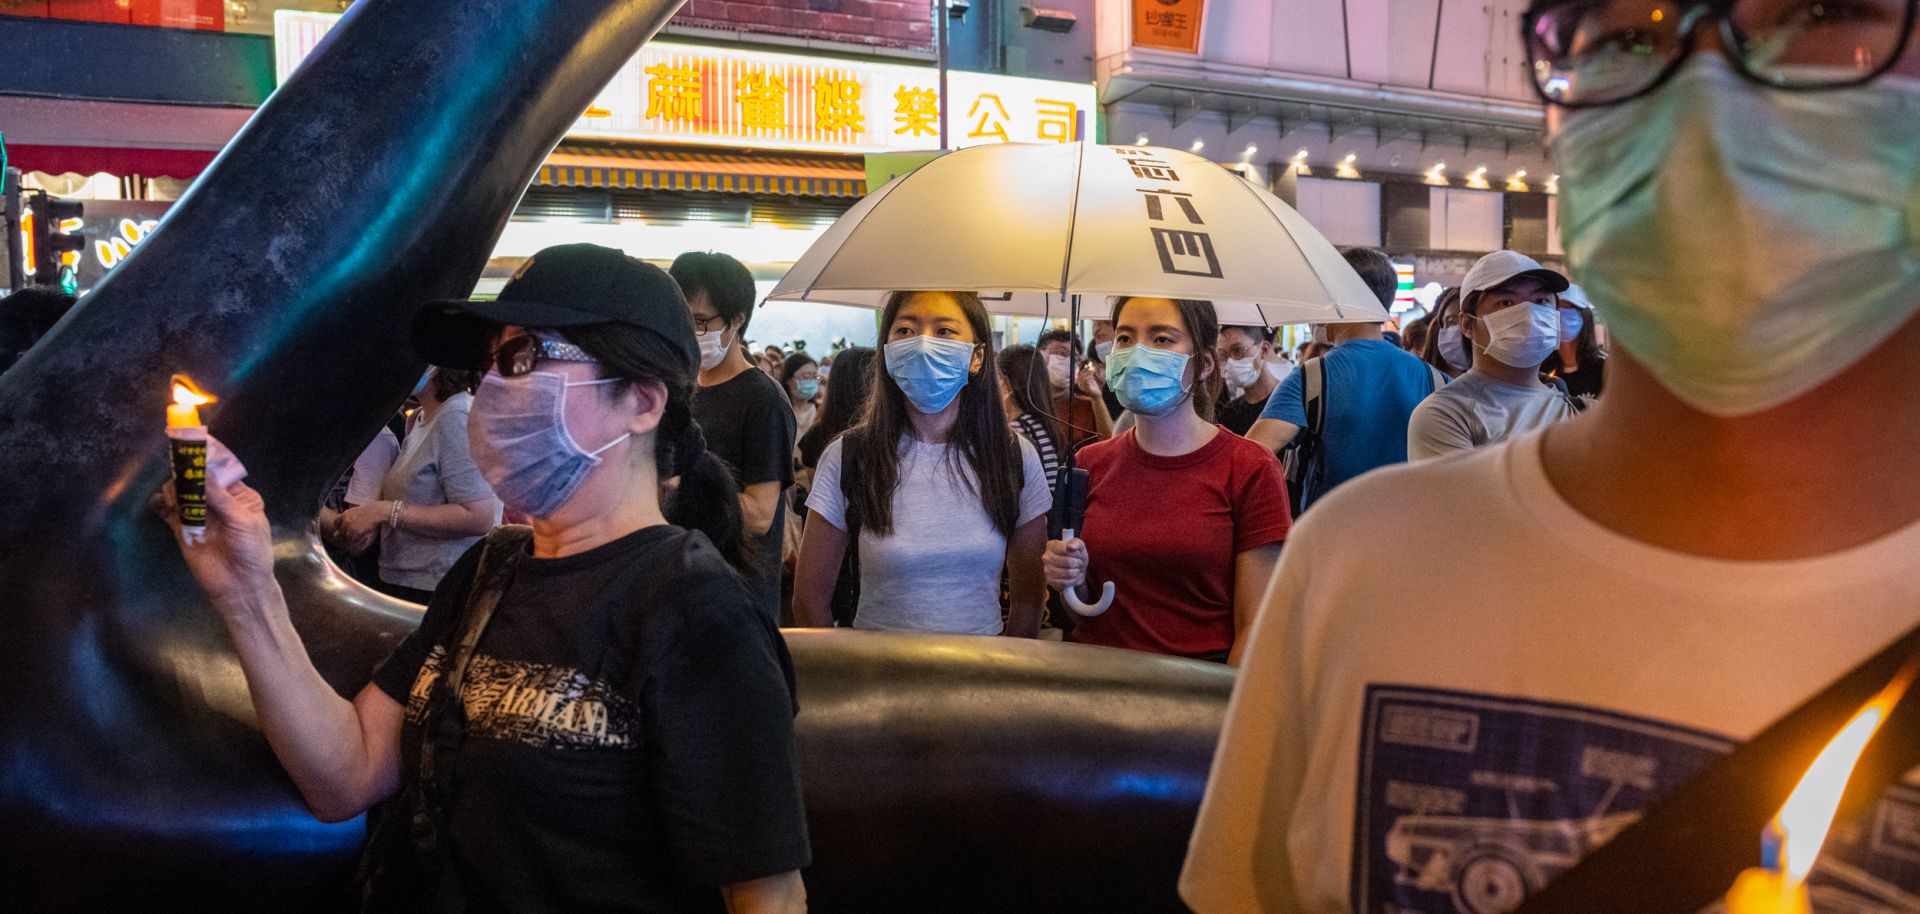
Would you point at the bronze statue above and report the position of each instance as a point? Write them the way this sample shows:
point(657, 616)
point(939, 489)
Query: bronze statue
point(941, 773)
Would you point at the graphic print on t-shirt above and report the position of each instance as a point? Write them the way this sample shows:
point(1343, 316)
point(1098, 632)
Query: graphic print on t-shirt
point(1467, 803)
point(539, 704)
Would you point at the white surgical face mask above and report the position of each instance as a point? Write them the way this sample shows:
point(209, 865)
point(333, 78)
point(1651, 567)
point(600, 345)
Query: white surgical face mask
point(1102, 350)
point(1059, 370)
point(713, 348)
point(1241, 373)
point(1746, 244)
point(1522, 336)
point(1453, 348)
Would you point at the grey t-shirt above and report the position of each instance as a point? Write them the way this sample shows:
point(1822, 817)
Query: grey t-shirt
point(1476, 410)
point(434, 468)
point(939, 571)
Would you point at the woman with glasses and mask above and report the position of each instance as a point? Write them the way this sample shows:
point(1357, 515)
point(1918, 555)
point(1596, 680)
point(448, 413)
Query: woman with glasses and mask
point(547, 734)
point(1511, 316)
point(932, 488)
point(1183, 517)
point(1700, 551)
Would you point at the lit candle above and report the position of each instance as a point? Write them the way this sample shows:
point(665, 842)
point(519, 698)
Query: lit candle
point(187, 444)
point(1791, 842)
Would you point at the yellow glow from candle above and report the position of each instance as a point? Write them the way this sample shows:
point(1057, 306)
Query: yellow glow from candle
point(1808, 814)
point(187, 397)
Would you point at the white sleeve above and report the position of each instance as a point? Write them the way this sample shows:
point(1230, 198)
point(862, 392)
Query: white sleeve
point(1036, 498)
point(1237, 858)
point(371, 467)
point(825, 498)
point(1435, 430)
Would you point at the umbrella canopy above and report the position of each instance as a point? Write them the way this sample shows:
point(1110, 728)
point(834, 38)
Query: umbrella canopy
point(1027, 224)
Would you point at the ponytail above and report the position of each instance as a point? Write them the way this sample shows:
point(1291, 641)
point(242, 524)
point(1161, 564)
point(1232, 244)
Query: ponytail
point(707, 498)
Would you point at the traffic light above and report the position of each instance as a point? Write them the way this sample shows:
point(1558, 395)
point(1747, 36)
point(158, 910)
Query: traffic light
point(56, 240)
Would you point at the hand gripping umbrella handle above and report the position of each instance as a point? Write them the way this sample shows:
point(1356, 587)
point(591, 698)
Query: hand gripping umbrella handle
point(1072, 598)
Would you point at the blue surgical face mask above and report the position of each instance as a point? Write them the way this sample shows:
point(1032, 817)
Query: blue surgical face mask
point(1148, 381)
point(518, 432)
point(930, 371)
point(808, 388)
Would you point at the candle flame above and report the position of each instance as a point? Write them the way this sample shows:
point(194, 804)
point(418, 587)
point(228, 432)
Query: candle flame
point(1807, 817)
point(186, 393)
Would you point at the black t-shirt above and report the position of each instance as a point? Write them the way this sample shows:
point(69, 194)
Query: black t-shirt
point(749, 424)
point(629, 741)
point(1237, 415)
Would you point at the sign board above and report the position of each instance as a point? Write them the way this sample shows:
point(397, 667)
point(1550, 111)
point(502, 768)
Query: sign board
point(1168, 25)
point(712, 96)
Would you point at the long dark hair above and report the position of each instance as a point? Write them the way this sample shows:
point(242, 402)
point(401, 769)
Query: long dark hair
point(707, 498)
point(847, 390)
point(1203, 326)
point(1024, 370)
point(980, 434)
point(792, 367)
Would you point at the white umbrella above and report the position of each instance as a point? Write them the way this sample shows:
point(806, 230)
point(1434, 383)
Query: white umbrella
point(1016, 222)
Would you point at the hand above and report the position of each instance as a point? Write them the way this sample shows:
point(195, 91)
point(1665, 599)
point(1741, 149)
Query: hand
point(359, 524)
point(1065, 564)
point(235, 561)
point(1090, 381)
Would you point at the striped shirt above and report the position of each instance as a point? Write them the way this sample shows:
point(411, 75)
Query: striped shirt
point(1036, 431)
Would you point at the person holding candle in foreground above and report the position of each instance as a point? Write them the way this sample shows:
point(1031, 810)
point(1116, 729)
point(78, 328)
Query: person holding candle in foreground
point(579, 767)
point(1632, 592)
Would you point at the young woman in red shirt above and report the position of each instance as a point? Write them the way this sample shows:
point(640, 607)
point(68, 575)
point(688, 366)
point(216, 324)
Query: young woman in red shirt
point(1184, 517)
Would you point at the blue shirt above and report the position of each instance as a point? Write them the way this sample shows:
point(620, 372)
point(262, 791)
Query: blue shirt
point(1370, 391)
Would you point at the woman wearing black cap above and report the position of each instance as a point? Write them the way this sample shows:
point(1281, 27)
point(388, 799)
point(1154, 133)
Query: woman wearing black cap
point(592, 717)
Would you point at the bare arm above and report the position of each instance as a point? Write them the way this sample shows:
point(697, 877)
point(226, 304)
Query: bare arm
point(343, 756)
point(757, 506)
point(1026, 584)
point(358, 524)
point(782, 894)
point(816, 570)
point(1272, 434)
point(1252, 572)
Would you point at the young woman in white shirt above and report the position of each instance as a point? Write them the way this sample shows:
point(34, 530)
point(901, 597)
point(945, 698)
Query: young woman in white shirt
point(942, 494)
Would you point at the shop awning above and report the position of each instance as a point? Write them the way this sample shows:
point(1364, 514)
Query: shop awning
point(654, 168)
point(114, 160)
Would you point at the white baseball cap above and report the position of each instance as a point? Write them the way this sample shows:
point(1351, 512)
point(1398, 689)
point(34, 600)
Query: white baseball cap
point(1576, 297)
point(1500, 267)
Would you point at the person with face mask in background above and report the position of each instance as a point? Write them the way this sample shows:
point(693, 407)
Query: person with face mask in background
point(1098, 349)
point(1244, 352)
point(1079, 403)
point(800, 377)
point(935, 491)
point(1511, 317)
point(747, 418)
point(1706, 547)
point(593, 653)
point(433, 502)
point(1186, 582)
point(1446, 346)
point(1368, 389)
point(1579, 364)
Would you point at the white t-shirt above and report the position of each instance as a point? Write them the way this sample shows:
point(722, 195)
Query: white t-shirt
point(370, 468)
point(1477, 410)
point(939, 571)
point(1449, 736)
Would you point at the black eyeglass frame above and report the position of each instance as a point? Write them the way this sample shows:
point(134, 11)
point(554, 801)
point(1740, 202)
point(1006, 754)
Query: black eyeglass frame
point(1731, 45)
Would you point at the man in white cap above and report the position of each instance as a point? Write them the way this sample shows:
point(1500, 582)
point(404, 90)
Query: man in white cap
point(1511, 317)
point(1605, 608)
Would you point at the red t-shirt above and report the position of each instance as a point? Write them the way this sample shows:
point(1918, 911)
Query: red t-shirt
point(1165, 531)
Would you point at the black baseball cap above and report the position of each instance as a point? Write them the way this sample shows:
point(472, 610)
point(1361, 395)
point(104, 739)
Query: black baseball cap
point(568, 285)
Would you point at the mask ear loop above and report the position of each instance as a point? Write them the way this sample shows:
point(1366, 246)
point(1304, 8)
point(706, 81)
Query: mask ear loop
point(560, 416)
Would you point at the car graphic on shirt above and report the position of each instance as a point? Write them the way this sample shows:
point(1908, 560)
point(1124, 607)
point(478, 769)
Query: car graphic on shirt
point(1489, 865)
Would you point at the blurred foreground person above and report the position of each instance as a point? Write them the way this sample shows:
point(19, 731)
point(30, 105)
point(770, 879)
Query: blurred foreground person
point(1626, 594)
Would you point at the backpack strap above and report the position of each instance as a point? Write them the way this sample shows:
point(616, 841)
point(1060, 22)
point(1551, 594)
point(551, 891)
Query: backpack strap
point(445, 723)
point(1438, 377)
point(1313, 378)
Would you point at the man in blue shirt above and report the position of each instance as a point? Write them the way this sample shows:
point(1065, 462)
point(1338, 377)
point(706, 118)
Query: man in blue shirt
point(1369, 391)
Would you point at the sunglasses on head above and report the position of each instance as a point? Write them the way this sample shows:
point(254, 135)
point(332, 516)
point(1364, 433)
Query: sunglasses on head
point(521, 354)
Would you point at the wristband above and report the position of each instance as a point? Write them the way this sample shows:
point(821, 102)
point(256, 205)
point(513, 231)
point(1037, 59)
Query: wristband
point(393, 517)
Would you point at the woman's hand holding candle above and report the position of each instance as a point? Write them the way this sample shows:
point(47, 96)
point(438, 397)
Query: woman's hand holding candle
point(234, 561)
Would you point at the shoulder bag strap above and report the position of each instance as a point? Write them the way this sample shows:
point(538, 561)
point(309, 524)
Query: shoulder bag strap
point(1691, 844)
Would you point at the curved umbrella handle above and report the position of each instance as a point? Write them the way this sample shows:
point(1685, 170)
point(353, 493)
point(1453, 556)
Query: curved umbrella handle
point(1071, 597)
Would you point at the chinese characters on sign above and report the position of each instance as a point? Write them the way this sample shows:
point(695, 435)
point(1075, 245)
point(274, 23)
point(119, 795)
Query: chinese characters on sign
point(1179, 234)
point(1168, 25)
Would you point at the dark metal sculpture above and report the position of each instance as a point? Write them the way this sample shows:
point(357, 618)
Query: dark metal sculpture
point(941, 773)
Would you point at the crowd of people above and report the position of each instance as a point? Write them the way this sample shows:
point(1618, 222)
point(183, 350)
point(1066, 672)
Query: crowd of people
point(1551, 502)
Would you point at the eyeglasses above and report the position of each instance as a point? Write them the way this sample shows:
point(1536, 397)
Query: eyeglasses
point(519, 355)
point(709, 324)
point(1588, 53)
